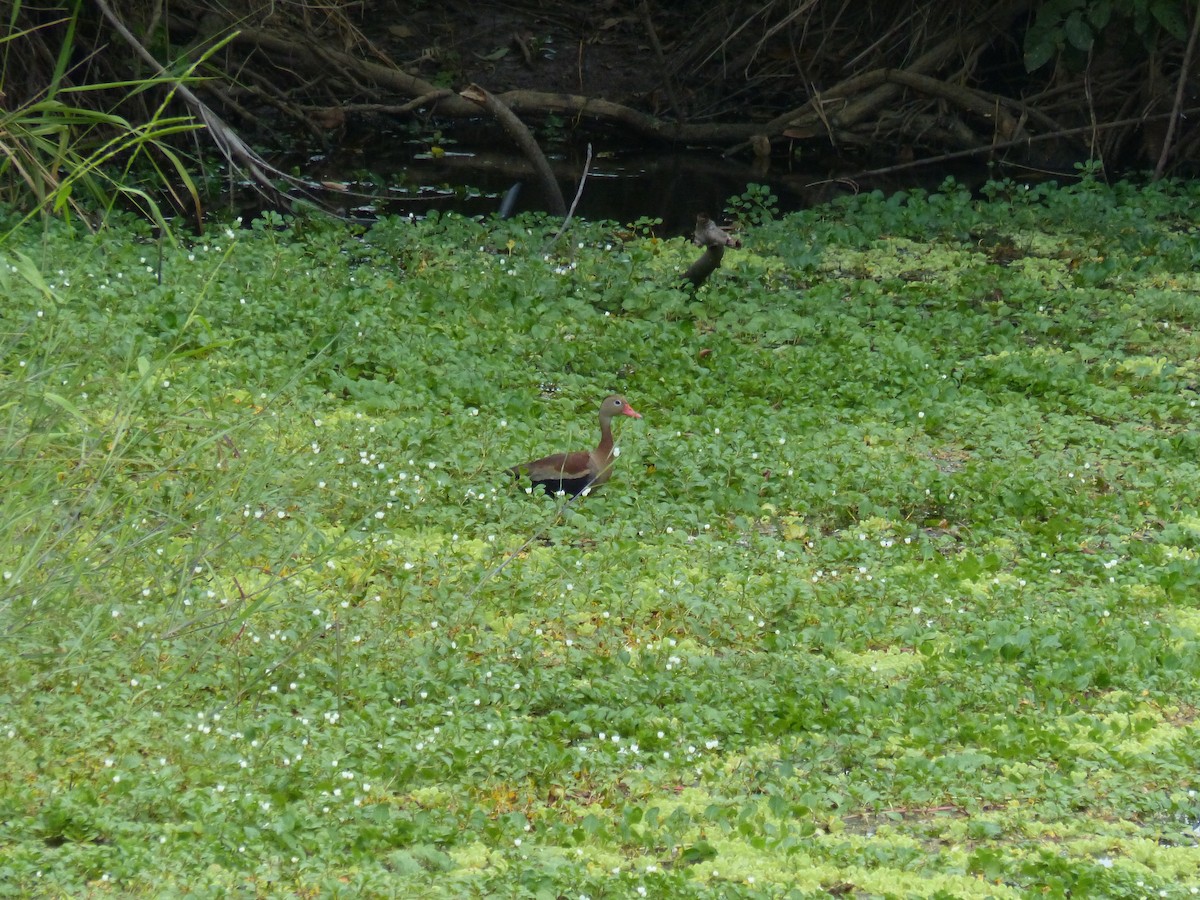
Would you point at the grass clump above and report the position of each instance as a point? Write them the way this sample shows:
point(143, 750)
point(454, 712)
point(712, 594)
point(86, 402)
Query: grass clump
point(892, 592)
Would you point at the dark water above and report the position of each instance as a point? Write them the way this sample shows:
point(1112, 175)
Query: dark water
point(471, 173)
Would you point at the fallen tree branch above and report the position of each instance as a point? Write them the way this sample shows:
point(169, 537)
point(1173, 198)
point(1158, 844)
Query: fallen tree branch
point(982, 104)
point(516, 130)
point(865, 94)
point(302, 53)
point(398, 109)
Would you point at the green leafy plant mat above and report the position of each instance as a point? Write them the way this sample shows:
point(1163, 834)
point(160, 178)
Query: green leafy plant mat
point(894, 592)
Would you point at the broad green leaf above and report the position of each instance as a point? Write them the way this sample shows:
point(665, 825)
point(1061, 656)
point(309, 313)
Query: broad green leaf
point(1170, 15)
point(1038, 52)
point(1078, 31)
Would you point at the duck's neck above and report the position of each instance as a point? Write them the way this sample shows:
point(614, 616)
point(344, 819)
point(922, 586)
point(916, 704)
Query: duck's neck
point(604, 449)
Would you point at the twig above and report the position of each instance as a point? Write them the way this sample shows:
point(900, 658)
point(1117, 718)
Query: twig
point(587, 163)
point(1176, 109)
point(1091, 107)
point(391, 109)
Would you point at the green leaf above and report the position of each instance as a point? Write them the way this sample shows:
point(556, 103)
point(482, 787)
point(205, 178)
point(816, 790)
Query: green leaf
point(697, 853)
point(1099, 12)
point(1038, 51)
point(1170, 15)
point(1078, 32)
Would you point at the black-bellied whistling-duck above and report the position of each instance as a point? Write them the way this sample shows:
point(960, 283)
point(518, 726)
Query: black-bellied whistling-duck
point(573, 472)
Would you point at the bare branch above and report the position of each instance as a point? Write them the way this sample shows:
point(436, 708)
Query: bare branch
point(516, 129)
